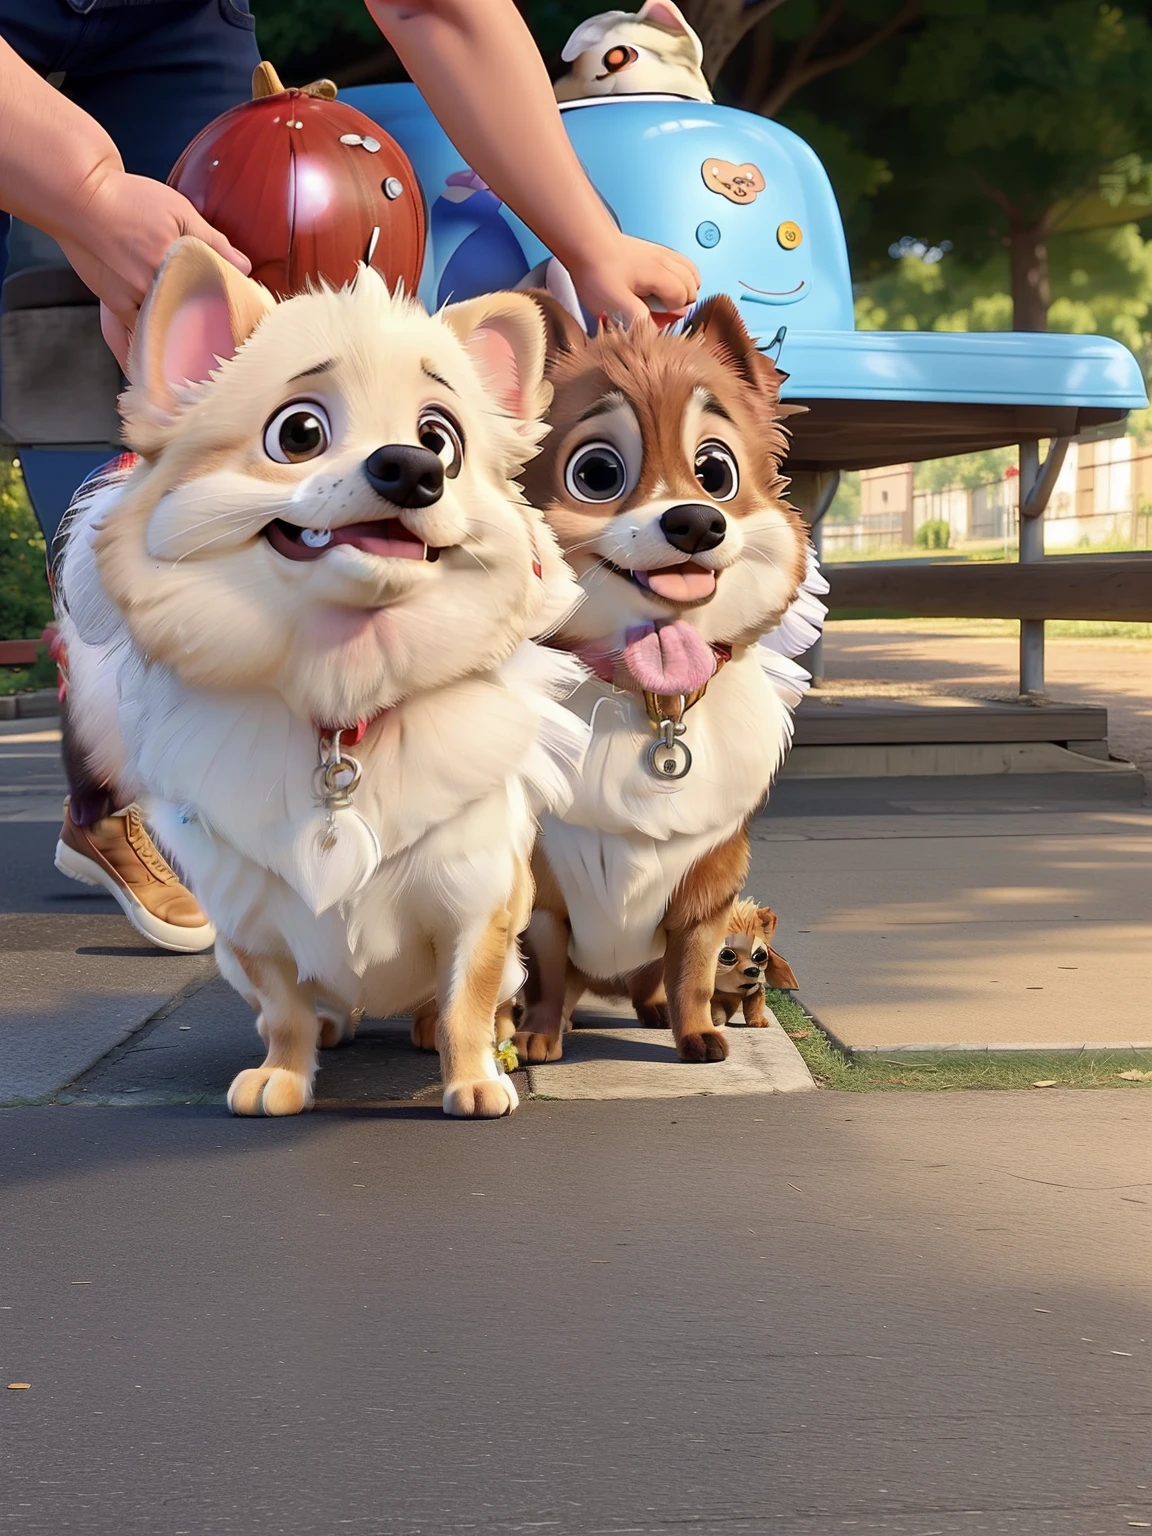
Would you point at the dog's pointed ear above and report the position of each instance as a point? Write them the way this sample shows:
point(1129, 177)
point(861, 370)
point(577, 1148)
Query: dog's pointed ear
point(778, 973)
point(664, 14)
point(717, 322)
point(767, 920)
point(198, 313)
point(564, 333)
point(503, 334)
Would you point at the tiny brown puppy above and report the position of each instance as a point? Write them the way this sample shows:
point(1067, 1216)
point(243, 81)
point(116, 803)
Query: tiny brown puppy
point(747, 964)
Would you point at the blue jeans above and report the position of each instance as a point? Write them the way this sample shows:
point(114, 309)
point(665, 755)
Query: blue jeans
point(152, 74)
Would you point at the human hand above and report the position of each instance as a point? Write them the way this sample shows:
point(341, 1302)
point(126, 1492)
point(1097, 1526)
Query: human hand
point(617, 279)
point(119, 236)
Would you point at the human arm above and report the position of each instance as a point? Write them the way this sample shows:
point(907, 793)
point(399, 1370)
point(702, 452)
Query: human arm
point(476, 65)
point(60, 172)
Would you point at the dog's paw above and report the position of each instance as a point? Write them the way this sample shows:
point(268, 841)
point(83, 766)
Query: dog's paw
point(269, 1091)
point(424, 1030)
point(487, 1099)
point(533, 1049)
point(703, 1045)
point(653, 1015)
point(336, 1025)
point(762, 1020)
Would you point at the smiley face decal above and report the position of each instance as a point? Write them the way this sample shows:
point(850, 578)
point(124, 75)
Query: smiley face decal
point(738, 183)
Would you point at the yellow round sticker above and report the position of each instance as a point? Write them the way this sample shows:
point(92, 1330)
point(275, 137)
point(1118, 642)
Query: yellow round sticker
point(789, 235)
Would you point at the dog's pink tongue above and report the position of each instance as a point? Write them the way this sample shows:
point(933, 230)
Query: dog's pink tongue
point(671, 659)
point(681, 583)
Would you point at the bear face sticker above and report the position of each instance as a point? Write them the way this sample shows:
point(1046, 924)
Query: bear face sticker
point(738, 183)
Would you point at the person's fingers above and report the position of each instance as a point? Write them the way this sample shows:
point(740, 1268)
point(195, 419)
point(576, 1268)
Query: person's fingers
point(194, 224)
point(112, 289)
point(629, 308)
point(117, 335)
point(689, 268)
point(667, 286)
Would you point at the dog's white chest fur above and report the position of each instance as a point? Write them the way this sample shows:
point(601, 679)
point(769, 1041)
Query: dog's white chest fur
point(444, 814)
point(628, 838)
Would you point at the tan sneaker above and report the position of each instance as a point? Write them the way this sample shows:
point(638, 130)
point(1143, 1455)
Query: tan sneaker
point(118, 854)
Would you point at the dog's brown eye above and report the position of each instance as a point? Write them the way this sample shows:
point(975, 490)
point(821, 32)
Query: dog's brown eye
point(596, 472)
point(297, 433)
point(728, 957)
point(715, 469)
point(759, 956)
point(619, 58)
point(440, 435)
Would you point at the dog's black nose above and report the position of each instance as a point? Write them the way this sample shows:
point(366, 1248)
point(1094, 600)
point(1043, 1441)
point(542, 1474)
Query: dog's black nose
point(693, 527)
point(751, 970)
point(405, 475)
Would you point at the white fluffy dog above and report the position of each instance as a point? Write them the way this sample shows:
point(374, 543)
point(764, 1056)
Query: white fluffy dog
point(311, 604)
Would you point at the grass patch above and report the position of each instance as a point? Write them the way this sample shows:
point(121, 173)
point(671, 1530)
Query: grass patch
point(935, 1071)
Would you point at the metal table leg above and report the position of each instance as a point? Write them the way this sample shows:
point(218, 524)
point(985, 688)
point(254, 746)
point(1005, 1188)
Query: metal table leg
point(1036, 483)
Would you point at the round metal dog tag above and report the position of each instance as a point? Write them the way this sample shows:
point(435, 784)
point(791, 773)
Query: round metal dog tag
point(669, 760)
point(337, 780)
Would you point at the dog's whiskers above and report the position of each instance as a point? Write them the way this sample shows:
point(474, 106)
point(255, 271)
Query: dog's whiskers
point(471, 553)
point(198, 549)
point(761, 554)
point(234, 522)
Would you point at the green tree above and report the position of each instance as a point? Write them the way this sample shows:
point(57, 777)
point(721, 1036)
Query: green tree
point(306, 38)
point(1100, 284)
point(25, 602)
point(1011, 130)
point(1012, 120)
point(845, 506)
point(965, 471)
point(759, 53)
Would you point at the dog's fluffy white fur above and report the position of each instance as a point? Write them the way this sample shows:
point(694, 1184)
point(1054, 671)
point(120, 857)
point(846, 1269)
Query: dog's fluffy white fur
point(221, 657)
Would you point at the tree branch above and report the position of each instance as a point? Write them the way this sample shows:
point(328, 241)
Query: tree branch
point(994, 194)
point(723, 25)
point(794, 79)
point(760, 67)
point(753, 15)
point(807, 45)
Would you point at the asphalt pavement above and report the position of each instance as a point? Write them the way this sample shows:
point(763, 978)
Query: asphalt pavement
point(816, 1313)
point(802, 1313)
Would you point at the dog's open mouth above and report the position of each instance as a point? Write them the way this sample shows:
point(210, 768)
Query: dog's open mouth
point(688, 583)
point(385, 537)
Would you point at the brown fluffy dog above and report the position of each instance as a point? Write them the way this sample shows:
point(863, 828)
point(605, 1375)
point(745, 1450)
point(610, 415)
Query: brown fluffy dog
point(660, 479)
point(747, 964)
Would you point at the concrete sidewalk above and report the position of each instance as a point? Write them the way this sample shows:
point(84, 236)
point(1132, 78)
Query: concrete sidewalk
point(914, 914)
point(90, 1013)
point(926, 922)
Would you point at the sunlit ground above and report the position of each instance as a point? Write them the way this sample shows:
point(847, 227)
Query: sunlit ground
point(980, 657)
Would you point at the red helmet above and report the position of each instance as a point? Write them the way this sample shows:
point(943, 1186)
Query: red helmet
point(306, 187)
